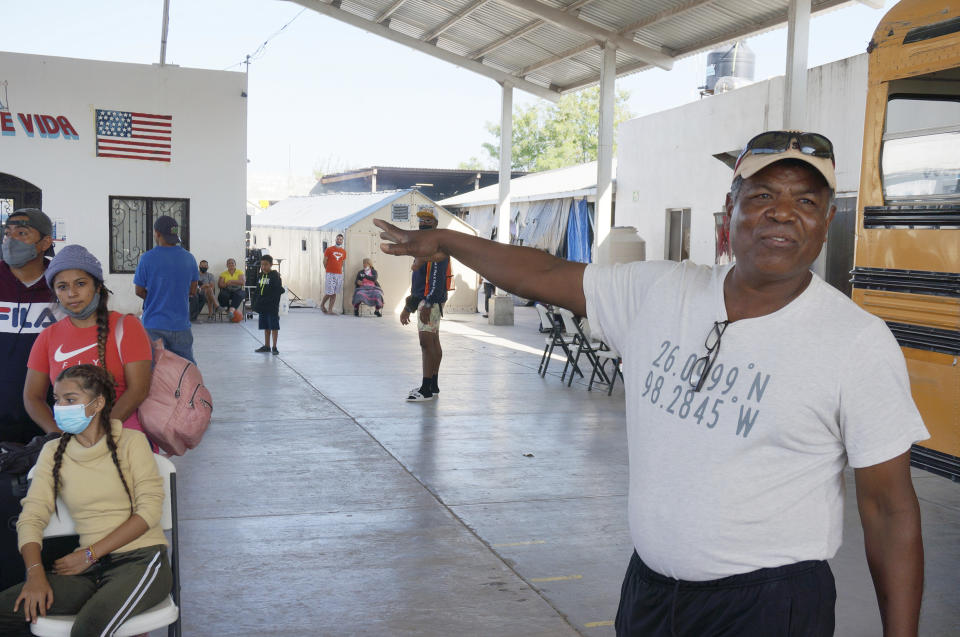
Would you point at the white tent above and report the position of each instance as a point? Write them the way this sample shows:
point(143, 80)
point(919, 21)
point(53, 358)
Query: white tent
point(540, 205)
point(298, 230)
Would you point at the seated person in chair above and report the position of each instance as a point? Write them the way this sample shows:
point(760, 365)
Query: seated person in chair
point(205, 293)
point(121, 567)
point(367, 290)
point(231, 285)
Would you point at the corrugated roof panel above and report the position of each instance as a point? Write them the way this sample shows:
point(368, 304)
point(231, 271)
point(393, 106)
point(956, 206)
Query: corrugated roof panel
point(613, 15)
point(503, 18)
point(472, 32)
point(556, 39)
point(362, 9)
point(406, 28)
point(526, 51)
point(421, 14)
point(453, 46)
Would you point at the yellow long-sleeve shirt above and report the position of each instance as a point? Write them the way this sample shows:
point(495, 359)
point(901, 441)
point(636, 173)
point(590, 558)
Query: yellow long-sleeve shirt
point(91, 489)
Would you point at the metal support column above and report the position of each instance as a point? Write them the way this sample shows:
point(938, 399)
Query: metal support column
point(506, 159)
point(163, 32)
point(604, 205)
point(795, 82)
point(501, 305)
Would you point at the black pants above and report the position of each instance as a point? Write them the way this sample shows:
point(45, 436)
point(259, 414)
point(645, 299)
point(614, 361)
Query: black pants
point(232, 298)
point(788, 601)
point(488, 290)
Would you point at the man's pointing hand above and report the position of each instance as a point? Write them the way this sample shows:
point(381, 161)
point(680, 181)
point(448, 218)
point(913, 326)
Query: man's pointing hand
point(424, 244)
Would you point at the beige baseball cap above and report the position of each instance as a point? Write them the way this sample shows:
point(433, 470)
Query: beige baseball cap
point(773, 146)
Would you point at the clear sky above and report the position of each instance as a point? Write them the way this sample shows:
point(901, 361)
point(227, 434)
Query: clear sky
point(324, 95)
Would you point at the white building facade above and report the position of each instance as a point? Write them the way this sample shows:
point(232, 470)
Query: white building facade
point(170, 141)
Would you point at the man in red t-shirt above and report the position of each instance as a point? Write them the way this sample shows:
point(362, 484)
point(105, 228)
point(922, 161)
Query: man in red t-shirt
point(333, 260)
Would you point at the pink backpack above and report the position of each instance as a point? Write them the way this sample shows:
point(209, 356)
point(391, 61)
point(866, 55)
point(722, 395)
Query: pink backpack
point(176, 412)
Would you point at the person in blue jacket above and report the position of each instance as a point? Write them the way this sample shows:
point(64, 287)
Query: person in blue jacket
point(428, 293)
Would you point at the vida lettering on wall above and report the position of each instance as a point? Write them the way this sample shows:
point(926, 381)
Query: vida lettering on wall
point(32, 124)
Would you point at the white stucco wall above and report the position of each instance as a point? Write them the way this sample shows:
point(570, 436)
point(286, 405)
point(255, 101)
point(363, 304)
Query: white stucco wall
point(666, 159)
point(208, 164)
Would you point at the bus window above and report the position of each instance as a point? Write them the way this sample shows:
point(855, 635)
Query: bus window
point(921, 149)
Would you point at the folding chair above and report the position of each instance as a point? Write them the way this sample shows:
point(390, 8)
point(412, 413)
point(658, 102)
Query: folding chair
point(604, 354)
point(587, 345)
point(167, 612)
point(572, 328)
point(555, 338)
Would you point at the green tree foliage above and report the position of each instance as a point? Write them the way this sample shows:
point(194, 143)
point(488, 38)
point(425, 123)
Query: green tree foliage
point(471, 164)
point(547, 136)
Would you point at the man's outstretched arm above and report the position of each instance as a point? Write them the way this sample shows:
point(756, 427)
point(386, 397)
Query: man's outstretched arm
point(890, 515)
point(526, 272)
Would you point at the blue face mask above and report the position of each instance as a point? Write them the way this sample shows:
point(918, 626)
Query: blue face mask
point(85, 312)
point(17, 253)
point(72, 419)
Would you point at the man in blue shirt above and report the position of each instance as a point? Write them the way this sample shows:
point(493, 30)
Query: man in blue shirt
point(165, 279)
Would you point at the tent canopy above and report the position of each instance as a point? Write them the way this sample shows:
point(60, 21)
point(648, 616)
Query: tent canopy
point(573, 181)
point(335, 211)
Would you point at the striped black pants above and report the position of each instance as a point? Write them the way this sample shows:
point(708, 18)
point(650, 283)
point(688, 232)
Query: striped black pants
point(102, 597)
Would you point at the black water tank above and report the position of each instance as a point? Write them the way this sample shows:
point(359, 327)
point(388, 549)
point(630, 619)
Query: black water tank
point(736, 60)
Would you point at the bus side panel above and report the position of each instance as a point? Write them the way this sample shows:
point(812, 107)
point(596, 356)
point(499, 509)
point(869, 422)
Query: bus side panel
point(935, 383)
point(936, 312)
point(926, 250)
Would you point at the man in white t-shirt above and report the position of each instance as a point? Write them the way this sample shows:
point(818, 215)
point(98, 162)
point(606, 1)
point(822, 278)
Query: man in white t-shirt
point(749, 387)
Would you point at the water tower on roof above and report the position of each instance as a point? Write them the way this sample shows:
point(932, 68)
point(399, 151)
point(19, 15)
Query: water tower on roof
point(729, 68)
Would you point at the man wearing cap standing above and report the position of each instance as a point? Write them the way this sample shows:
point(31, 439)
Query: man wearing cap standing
point(166, 278)
point(428, 293)
point(25, 309)
point(749, 388)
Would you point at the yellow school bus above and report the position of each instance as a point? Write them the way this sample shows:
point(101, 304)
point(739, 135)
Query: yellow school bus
point(907, 260)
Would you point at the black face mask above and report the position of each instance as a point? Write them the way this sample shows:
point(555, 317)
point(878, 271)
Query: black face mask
point(426, 227)
point(204, 269)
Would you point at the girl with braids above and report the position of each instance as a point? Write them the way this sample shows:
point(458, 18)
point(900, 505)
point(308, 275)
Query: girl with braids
point(107, 479)
point(88, 334)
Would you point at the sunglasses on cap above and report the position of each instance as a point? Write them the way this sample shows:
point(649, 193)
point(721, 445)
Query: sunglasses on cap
point(780, 141)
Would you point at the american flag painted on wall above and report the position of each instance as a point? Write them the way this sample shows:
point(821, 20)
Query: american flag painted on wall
point(133, 135)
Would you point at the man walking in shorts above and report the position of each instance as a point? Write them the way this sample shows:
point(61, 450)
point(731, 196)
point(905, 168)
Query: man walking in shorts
point(333, 260)
point(428, 293)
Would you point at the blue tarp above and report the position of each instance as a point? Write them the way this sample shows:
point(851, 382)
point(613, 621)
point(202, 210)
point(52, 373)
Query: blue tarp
point(578, 232)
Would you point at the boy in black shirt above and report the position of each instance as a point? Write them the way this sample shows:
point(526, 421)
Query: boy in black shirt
point(269, 289)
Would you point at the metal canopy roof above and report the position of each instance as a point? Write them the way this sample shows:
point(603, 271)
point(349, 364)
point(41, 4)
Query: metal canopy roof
point(549, 47)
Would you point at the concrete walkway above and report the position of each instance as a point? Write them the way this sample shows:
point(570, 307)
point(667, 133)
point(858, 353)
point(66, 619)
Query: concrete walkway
point(321, 503)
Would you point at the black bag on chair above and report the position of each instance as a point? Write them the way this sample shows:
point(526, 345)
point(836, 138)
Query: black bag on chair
point(13, 487)
point(15, 461)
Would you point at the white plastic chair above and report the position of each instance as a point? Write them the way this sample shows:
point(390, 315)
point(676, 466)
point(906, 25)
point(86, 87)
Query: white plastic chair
point(167, 612)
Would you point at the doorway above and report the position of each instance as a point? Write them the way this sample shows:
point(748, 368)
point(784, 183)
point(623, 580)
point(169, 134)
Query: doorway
point(16, 193)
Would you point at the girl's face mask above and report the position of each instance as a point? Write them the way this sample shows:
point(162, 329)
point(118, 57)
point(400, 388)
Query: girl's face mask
point(85, 312)
point(72, 419)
